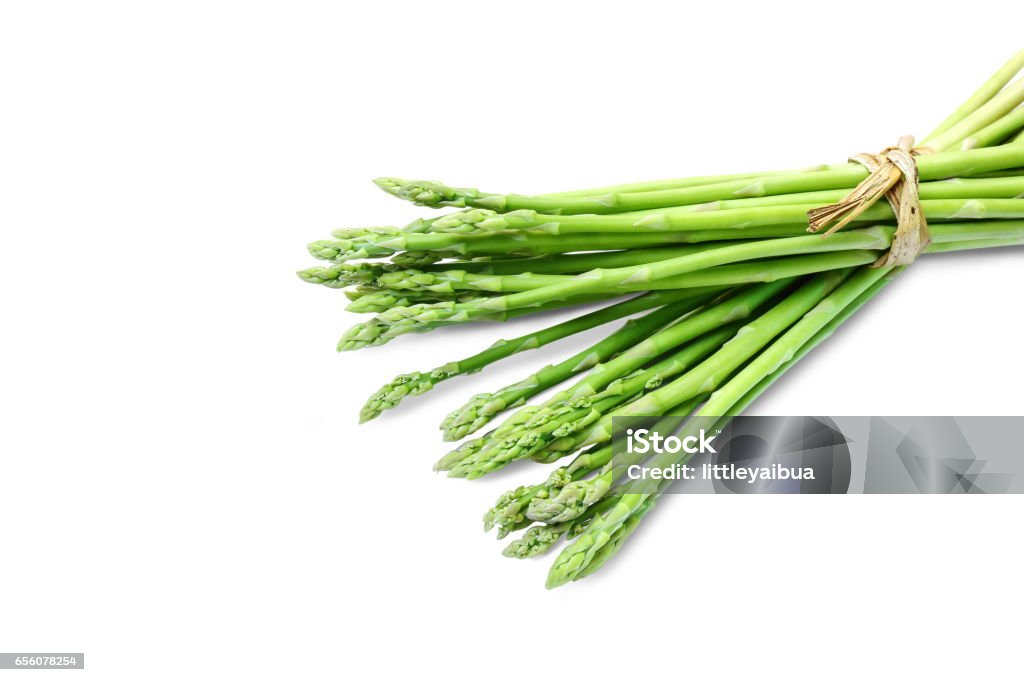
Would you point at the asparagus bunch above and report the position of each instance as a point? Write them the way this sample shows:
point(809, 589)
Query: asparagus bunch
point(713, 282)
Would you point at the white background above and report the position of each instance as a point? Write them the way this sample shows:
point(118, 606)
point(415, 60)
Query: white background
point(184, 491)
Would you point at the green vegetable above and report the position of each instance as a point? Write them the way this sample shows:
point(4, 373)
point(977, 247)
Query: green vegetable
point(729, 292)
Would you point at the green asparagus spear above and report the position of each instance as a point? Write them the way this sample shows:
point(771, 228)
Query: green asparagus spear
point(675, 303)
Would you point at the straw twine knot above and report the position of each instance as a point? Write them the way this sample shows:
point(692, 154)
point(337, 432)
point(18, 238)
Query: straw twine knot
point(893, 174)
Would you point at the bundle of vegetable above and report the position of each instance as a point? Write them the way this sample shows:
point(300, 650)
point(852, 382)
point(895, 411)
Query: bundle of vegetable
point(720, 286)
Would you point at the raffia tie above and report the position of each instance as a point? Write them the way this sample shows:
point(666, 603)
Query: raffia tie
point(893, 174)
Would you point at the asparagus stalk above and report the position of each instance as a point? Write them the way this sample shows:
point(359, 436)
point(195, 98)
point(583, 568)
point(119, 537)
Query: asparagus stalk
point(675, 303)
point(450, 282)
point(378, 300)
point(976, 244)
point(997, 131)
point(375, 332)
point(677, 183)
point(946, 164)
point(377, 243)
point(558, 263)
point(740, 219)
